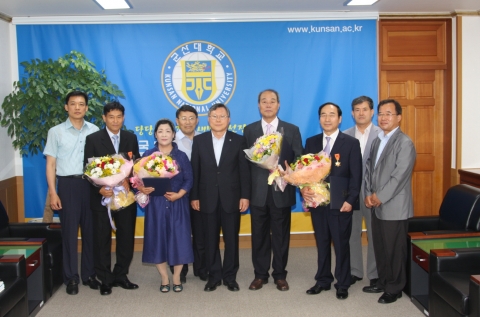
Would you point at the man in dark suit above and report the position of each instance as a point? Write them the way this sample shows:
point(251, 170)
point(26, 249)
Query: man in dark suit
point(333, 222)
point(271, 209)
point(388, 191)
point(221, 191)
point(365, 132)
point(109, 141)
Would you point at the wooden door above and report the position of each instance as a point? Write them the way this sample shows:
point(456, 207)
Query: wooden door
point(419, 93)
point(415, 68)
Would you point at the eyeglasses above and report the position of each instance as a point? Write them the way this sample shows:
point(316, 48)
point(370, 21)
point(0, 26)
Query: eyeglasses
point(215, 117)
point(187, 118)
point(387, 115)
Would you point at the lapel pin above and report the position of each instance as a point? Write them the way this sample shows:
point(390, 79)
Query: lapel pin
point(337, 157)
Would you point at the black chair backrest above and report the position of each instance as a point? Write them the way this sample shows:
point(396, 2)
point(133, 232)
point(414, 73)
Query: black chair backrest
point(457, 206)
point(4, 230)
point(474, 219)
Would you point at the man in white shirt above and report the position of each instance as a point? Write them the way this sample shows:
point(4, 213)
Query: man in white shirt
point(365, 132)
point(187, 121)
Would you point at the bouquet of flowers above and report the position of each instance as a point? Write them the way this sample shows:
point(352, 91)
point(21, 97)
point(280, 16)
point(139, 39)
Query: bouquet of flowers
point(110, 171)
point(156, 164)
point(310, 170)
point(265, 152)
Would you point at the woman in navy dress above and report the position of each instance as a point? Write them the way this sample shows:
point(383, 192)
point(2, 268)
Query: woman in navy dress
point(167, 233)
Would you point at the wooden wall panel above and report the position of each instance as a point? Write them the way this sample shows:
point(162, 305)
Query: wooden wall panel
point(413, 43)
point(11, 195)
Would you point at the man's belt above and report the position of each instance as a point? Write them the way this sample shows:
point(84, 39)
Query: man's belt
point(72, 176)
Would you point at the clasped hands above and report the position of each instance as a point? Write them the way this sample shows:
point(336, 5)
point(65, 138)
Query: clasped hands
point(372, 201)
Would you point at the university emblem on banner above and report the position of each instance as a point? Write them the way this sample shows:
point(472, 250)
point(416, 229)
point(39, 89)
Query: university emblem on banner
point(199, 74)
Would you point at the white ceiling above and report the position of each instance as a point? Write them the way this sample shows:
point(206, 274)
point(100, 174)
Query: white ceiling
point(52, 8)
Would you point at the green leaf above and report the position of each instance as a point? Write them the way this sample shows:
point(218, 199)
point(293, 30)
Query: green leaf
point(37, 101)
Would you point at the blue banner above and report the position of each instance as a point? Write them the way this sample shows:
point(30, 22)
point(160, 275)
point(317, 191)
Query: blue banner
point(159, 67)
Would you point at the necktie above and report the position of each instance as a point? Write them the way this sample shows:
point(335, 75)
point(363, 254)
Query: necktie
point(269, 128)
point(115, 142)
point(327, 147)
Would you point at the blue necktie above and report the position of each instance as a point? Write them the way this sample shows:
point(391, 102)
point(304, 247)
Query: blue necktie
point(115, 142)
point(327, 147)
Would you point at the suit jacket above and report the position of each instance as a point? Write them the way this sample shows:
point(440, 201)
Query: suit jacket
point(366, 153)
point(229, 181)
point(259, 175)
point(346, 179)
point(100, 144)
point(391, 177)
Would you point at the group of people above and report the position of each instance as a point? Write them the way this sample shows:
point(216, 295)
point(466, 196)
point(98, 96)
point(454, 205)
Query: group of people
point(370, 178)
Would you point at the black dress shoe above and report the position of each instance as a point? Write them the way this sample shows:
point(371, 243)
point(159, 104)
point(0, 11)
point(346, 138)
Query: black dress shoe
point(92, 283)
point(72, 287)
point(373, 281)
point(342, 293)
point(126, 284)
point(232, 286)
point(388, 298)
point(354, 279)
point(211, 286)
point(183, 279)
point(105, 289)
point(317, 289)
point(373, 289)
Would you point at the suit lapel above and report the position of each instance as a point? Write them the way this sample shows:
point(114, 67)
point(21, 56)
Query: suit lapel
point(336, 149)
point(388, 148)
point(227, 145)
point(209, 146)
point(258, 130)
point(107, 142)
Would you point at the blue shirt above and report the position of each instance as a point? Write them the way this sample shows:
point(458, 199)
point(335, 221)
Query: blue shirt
point(184, 143)
point(66, 144)
point(383, 142)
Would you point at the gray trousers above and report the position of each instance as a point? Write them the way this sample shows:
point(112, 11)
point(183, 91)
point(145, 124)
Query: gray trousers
point(356, 256)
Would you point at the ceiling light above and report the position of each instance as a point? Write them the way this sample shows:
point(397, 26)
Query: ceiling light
point(113, 4)
point(359, 2)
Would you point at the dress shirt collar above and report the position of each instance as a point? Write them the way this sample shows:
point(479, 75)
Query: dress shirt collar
point(221, 138)
point(274, 124)
point(179, 135)
point(366, 131)
point(68, 124)
point(383, 136)
point(333, 137)
point(111, 134)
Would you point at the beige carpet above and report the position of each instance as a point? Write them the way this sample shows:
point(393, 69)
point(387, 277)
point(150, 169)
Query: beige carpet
point(193, 301)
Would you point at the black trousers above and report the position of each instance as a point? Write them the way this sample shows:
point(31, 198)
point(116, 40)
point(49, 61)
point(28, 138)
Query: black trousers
point(229, 223)
point(390, 246)
point(74, 195)
point(265, 220)
point(125, 220)
point(332, 226)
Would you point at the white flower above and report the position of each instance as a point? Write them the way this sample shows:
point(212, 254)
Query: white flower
point(108, 166)
point(150, 164)
point(116, 164)
point(98, 161)
point(114, 171)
